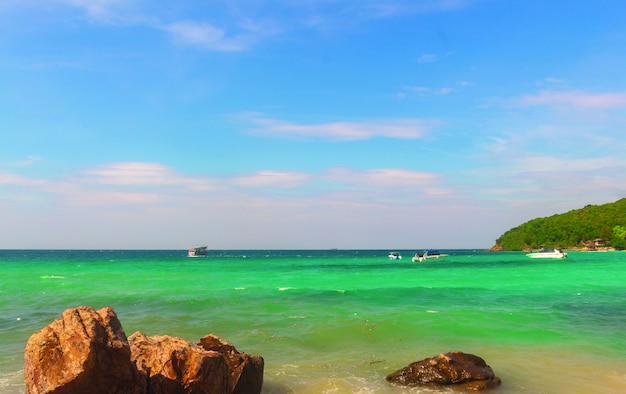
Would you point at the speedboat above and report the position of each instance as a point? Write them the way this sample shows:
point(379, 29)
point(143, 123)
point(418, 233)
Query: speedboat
point(395, 256)
point(548, 253)
point(198, 251)
point(428, 254)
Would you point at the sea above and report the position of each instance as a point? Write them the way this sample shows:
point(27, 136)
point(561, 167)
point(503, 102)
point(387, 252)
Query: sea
point(339, 321)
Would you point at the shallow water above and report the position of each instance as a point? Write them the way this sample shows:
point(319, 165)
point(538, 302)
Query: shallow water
point(339, 321)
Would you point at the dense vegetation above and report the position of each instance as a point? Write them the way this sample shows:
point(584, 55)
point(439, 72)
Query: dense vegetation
point(577, 228)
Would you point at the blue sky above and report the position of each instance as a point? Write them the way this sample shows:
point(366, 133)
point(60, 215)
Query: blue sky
point(305, 124)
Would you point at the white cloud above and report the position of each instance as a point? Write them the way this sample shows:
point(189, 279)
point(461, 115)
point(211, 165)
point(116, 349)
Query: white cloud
point(575, 100)
point(400, 128)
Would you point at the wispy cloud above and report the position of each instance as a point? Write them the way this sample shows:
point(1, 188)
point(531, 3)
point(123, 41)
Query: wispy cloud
point(532, 177)
point(554, 83)
point(444, 91)
point(335, 179)
point(131, 193)
point(207, 36)
point(126, 183)
point(105, 198)
point(12, 179)
point(382, 177)
point(427, 58)
point(131, 173)
point(572, 100)
point(98, 9)
point(26, 162)
point(540, 163)
point(108, 11)
point(427, 91)
point(343, 131)
point(241, 24)
point(275, 179)
point(133, 183)
point(143, 174)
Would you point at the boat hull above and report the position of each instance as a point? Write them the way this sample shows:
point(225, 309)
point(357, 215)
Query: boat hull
point(548, 254)
point(198, 252)
point(419, 257)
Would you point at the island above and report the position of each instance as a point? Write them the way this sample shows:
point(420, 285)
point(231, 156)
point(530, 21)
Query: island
point(594, 227)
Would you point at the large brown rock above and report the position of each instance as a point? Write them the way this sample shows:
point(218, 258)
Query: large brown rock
point(175, 366)
point(246, 369)
point(85, 351)
point(466, 371)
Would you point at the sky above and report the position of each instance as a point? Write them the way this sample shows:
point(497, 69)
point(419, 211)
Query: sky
point(305, 124)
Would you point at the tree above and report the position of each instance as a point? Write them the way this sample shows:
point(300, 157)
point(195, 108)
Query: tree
point(619, 237)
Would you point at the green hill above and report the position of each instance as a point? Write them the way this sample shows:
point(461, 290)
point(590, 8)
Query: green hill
point(574, 229)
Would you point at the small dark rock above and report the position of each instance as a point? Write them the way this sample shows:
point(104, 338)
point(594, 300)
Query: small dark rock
point(466, 371)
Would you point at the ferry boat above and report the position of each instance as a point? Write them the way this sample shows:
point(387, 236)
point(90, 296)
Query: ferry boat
point(198, 251)
point(548, 253)
point(428, 254)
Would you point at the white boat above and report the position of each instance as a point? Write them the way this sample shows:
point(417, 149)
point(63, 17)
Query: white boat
point(395, 256)
point(198, 251)
point(548, 253)
point(428, 254)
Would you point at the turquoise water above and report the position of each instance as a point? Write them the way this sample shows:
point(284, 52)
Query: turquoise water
point(339, 321)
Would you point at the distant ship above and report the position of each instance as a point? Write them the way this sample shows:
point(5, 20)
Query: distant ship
point(198, 251)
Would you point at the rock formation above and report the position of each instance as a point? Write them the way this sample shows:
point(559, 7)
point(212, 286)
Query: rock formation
point(176, 366)
point(79, 353)
point(246, 369)
point(86, 351)
point(466, 371)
